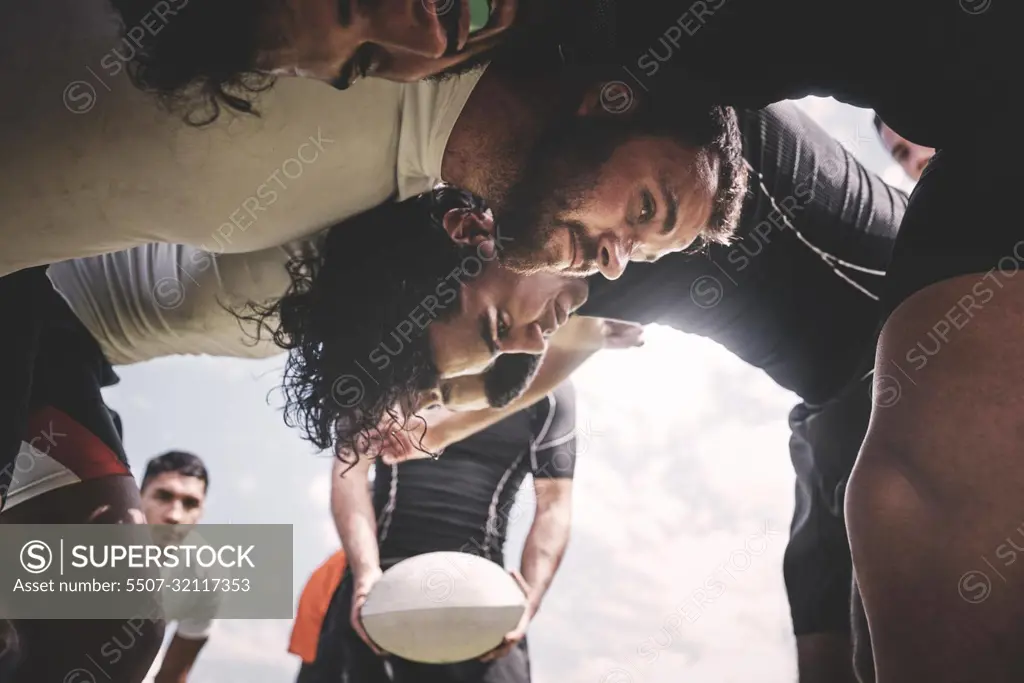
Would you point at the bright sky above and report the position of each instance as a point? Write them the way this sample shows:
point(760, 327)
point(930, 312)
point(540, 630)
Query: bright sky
point(683, 479)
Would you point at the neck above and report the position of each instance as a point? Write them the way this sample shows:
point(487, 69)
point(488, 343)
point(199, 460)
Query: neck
point(489, 145)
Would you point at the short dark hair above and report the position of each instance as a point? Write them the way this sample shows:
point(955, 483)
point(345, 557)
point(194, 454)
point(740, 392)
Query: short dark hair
point(205, 54)
point(181, 462)
point(343, 306)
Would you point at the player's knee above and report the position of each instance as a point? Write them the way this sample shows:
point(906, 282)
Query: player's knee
point(878, 495)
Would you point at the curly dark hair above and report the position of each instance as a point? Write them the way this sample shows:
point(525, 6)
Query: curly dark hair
point(354, 356)
point(198, 56)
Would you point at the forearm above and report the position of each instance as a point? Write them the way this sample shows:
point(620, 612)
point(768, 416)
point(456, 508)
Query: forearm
point(181, 655)
point(354, 516)
point(558, 364)
point(543, 552)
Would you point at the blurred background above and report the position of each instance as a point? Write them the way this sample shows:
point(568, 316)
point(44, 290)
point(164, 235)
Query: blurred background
point(683, 478)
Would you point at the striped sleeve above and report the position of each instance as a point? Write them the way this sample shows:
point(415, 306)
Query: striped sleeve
point(553, 447)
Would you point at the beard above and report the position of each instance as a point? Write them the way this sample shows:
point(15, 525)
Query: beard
point(559, 175)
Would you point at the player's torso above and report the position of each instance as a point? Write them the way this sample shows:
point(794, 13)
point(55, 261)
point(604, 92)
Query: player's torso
point(461, 502)
point(91, 164)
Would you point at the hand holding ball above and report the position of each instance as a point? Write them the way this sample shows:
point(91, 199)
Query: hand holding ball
point(442, 607)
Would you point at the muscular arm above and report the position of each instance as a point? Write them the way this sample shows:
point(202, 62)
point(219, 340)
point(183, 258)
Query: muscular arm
point(354, 516)
point(548, 538)
point(181, 655)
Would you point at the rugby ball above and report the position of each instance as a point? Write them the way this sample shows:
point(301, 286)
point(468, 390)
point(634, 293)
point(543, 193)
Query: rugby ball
point(442, 607)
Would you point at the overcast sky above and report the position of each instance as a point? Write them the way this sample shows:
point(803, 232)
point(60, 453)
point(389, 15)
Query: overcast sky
point(683, 478)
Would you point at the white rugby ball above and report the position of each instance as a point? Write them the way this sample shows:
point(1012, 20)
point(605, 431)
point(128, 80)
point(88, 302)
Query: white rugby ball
point(442, 607)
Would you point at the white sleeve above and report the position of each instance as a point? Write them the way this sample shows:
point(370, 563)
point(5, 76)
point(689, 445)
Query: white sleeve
point(194, 629)
point(161, 299)
point(430, 110)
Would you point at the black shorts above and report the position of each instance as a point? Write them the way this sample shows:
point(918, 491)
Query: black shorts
point(817, 565)
point(962, 220)
point(67, 433)
point(342, 656)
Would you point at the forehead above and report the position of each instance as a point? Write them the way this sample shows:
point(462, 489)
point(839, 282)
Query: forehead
point(178, 484)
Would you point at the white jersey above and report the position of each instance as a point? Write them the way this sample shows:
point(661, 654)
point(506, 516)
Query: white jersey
point(193, 595)
point(92, 165)
point(168, 299)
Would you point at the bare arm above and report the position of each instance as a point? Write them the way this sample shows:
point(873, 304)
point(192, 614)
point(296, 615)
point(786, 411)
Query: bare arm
point(181, 655)
point(352, 508)
point(548, 538)
point(576, 341)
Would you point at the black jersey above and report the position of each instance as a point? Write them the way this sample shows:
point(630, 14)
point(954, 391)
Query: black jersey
point(922, 64)
point(771, 298)
point(463, 501)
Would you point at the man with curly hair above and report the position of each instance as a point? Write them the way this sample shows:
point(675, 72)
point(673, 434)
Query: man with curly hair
point(160, 300)
point(126, 173)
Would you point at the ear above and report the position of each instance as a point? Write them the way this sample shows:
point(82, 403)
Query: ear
point(609, 98)
point(469, 228)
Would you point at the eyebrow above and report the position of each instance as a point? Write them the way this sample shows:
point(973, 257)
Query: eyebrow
point(672, 212)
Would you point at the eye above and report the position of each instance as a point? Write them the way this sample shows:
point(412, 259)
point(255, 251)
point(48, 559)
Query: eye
point(647, 207)
point(502, 325)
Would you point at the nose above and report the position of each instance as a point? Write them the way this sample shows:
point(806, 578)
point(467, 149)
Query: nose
point(922, 161)
point(526, 339)
point(429, 399)
point(421, 33)
point(612, 256)
point(174, 513)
